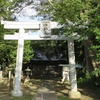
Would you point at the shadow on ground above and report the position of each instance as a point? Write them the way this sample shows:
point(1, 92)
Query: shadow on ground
point(61, 89)
point(28, 88)
point(87, 93)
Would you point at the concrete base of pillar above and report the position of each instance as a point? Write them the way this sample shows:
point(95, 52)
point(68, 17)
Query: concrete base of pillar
point(16, 93)
point(74, 95)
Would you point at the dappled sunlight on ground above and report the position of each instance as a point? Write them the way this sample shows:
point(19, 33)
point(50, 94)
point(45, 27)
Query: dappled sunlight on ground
point(29, 89)
point(87, 93)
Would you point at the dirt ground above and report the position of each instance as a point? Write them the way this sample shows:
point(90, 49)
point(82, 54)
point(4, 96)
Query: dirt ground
point(28, 88)
point(61, 89)
point(86, 93)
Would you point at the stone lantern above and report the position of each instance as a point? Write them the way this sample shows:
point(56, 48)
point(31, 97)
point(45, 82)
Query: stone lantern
point(28, 70)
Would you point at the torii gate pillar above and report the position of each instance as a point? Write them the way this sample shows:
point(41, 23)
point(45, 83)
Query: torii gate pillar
point(72, 71)
point(19, 59)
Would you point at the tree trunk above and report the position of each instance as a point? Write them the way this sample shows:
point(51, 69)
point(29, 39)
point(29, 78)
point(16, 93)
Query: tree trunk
point(90, 56)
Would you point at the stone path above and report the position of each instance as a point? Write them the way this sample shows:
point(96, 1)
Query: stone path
point(46, 91)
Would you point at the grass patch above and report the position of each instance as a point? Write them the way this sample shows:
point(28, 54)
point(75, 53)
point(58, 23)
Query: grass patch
point(25, 97)
point(63, 98)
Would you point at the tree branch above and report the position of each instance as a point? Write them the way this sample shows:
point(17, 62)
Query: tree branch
point(50, 1)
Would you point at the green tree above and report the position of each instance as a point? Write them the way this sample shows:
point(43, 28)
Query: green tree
point(81, 16)
point(8, 48)
point(94, 30)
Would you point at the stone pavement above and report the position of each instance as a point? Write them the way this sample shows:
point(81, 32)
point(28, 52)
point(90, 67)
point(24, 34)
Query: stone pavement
point(46, 91)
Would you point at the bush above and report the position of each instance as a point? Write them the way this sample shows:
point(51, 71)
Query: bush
point(91, 79)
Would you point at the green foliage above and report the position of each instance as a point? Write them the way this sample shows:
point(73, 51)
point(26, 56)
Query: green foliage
point(5, 14)
point(63, 98)
point(94, 28)
point(73, 14)
point(8, 48)
point(90, 78)
point(25, 97)
point(5, 9)
point(28, 52)
point(88, 75)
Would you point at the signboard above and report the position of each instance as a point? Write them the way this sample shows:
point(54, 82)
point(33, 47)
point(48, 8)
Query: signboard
point(45, 29)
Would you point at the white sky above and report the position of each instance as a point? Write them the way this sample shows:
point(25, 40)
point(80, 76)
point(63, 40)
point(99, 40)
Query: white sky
point(28, 15)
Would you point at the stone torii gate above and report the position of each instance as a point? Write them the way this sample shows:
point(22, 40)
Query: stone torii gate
point(45, 34)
